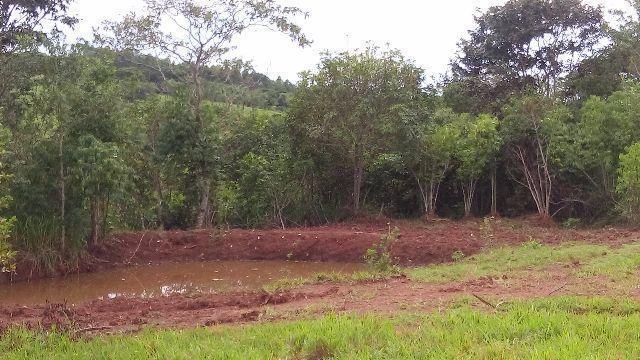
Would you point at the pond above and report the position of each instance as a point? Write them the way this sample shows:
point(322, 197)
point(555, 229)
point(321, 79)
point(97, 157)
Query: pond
point(164, 279)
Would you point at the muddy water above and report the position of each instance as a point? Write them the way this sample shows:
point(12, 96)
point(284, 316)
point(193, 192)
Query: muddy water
point(162, 280)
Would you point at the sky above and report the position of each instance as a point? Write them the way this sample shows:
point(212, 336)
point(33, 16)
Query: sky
point(426, 31)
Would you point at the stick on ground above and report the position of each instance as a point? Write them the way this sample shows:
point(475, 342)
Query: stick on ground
point(556, 290)
point(484, 301)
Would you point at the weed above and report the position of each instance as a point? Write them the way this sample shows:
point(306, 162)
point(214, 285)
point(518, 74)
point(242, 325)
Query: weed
point(486, 229)
point(571, 223)
point(379, 256)
point(532, 244)
point(457, 256)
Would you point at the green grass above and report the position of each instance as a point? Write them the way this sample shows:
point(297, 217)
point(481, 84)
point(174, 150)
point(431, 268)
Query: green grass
point(620, 264)
point(327, 277)
point(502, 260)
point(561, 328)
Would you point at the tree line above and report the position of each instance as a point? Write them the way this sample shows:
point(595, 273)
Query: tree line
point(142, 128)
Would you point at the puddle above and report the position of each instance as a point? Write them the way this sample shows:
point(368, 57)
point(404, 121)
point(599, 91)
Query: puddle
point(163, 279)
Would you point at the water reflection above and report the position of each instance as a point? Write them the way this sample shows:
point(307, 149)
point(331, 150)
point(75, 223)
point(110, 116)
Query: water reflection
point(162, 280)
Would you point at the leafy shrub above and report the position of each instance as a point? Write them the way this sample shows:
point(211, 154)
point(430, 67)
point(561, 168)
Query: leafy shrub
point(379, 256)
point(457, 256)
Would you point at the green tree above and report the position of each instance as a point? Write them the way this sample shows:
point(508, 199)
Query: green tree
point(536, 135)
point(522, 44)
point(101, 172)
point(625, 41)
point(20, 20)
point(201, 34)
point(75, 96)
point(628, 185)
point(477, 148)
point(429, 153)
point(606, 71)
point(7, 254)
point(352, 104)
point(22, 28)
point(47, 116)
point(606, 127)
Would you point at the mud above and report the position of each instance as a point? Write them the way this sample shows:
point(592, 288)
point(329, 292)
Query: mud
point(163, 279)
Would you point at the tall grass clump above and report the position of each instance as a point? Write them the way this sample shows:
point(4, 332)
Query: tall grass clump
point(38, 242)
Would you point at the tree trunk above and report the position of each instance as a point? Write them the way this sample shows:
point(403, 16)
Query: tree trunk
point(159, 199)
point(104, 213)
point(157, 174)
point(96, 221)
point(468, 191)
point(494, 191)
point(197, 95)
point(358, 173)
point(538, 177)
point(202, 222)
point(431, 199)
point(63, 197)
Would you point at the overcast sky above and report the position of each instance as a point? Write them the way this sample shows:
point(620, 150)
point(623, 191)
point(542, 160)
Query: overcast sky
point(424, 30)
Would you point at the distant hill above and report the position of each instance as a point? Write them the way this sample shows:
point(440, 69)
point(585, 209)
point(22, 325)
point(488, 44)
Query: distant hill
point(233, 82)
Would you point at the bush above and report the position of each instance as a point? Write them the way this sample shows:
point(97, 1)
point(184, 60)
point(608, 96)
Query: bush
point(457, 256)
point(379, 256)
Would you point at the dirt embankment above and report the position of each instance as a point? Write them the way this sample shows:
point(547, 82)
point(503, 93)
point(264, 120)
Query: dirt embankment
point(419, 243)
point(341, 243)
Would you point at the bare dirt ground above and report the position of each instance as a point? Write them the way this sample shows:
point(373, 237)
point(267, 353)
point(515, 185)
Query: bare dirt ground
point(419, 243)
point(388, 296)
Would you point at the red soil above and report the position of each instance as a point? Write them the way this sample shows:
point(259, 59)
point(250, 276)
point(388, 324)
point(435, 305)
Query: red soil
point(388, 296)
point(342, 243)
point(419, 243)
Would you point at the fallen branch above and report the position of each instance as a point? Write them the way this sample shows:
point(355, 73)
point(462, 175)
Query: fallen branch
point(556, 290)
point(484, 301)
point(90, 329)
point(136, 250)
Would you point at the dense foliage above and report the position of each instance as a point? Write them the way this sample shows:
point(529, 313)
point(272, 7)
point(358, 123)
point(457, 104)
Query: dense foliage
point(149, 129)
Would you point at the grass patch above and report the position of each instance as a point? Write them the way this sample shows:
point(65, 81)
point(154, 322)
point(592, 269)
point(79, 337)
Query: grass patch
point(618, 264)
point(594, 260)
point(498, 261)
point(327, 277)
point(561, 328)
